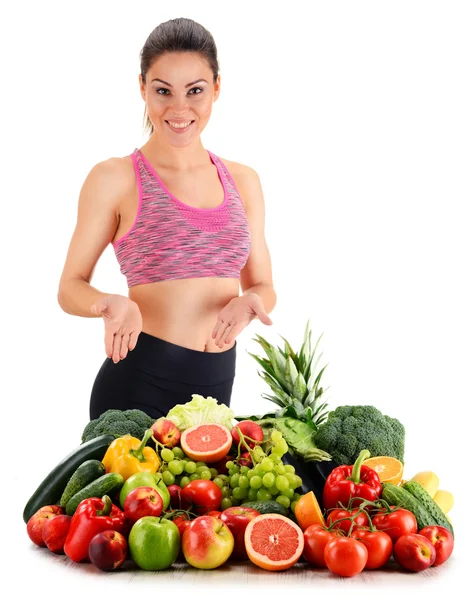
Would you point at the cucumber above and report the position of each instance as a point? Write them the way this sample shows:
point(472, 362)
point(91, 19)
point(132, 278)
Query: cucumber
point(267, 506)
point(437, 515)
point(51, 488)
point(87, 472)
point(399, 496)
point(108, 484)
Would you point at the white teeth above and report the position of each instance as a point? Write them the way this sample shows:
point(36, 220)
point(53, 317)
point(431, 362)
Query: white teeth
point(179, 125)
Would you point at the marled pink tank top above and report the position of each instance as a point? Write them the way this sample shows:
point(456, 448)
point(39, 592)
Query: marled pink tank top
point(171, 240)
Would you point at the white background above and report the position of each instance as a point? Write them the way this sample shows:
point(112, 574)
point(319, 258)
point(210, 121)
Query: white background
point(360, 122)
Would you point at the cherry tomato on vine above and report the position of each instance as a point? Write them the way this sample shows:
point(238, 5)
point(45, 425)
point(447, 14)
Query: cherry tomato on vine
point(361, 520)
point(379, 546)
point(345, 556)
point(316, 539)
point(397, 523)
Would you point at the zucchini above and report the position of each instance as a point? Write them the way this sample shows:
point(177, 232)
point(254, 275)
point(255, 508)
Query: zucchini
point(399, 496)
point(436, 514)
point(108, 484)
point(267, 506)
point(51, 488)
point(86, 472)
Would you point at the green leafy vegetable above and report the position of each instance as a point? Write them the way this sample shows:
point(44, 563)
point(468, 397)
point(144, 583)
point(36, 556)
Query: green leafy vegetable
point(200, 410)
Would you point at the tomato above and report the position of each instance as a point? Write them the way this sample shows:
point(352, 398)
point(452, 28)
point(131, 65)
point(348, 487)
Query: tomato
point(379, 546)
point(315, 541)
point(182, 523)
point(397, 523)
point(214, 513)
point(345, 556)
point(362, 520)
point(204, 494)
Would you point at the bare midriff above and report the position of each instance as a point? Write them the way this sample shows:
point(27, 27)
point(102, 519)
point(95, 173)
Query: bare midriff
point(185, 311)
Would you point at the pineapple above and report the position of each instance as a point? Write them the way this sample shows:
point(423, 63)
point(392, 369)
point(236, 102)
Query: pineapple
point(292, 380)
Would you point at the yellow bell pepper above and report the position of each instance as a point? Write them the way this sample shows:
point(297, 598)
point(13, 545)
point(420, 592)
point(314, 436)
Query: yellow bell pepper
point(128, 455)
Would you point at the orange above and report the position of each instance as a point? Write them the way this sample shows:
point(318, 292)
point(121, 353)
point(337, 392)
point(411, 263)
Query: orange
point(209, 442)
point(273, 542)
point(308, 512)
point(389, 469)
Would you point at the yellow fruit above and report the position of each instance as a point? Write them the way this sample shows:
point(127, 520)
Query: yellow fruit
point(444, 500)
point(389, 469)
point(428, 480)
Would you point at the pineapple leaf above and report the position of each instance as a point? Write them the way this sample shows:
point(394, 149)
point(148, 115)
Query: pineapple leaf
point(300, 388)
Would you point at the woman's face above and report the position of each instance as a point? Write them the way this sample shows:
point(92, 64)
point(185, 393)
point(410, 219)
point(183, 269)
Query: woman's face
point(179, 89)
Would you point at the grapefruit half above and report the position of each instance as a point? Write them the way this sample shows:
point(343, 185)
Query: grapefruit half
point(208, 443)
point(273, 542)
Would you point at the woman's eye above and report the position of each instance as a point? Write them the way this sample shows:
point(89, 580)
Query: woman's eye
point(159, 90)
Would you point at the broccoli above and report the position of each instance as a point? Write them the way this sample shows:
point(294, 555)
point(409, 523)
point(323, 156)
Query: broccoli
point(118, 422)
point(350, 429)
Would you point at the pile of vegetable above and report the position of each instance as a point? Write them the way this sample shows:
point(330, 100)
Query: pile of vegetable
point(204, 486)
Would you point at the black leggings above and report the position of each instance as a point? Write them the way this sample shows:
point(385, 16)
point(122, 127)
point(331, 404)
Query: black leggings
point(157, 375)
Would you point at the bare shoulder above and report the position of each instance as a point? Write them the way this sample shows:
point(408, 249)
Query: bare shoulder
point(111, 181)
point(247, 181)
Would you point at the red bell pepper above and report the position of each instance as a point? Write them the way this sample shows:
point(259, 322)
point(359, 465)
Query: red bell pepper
point(92, 516)
point(347, 481)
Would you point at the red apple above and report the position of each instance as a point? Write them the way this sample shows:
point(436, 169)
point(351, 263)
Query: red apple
point(237, 518)
point(207, 543)
point(143, 501)
point(441, 539)
point(108, 550)
point(36, 522)
point(54, 532)
point(166, 432)
point(177, 498)
point(251, 430)
point(414, 552)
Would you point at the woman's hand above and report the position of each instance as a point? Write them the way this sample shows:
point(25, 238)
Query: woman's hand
point(236, 315)
point(123, 323)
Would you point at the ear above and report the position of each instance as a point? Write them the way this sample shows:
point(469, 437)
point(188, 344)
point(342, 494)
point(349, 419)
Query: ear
point(142, 87)
point(216, 88)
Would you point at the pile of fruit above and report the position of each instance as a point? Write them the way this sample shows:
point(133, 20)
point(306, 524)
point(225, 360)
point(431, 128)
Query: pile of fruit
point(208, 494)
point(204, 486)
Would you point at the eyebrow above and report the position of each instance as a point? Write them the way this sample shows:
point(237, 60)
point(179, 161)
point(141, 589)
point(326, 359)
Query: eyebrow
point(188, 84)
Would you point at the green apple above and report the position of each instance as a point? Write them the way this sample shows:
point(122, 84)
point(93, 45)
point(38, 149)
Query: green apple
point(154, 543)
point(145, 479)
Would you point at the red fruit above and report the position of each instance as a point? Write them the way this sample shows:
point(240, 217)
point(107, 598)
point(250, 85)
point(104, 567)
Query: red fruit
point(35, 524)
point(143, 501)
point(237, 518)
point(108, 550)
point(441, 539)
point(54, 532)
point(414, 552)
point(316, 539)
point(245, 460)
point(345, 556)
point(251, 430)
point(205, 495)
point(379, 546)
point(166, 432)
point(207, 543)
point(177, 499)
point(397, 523)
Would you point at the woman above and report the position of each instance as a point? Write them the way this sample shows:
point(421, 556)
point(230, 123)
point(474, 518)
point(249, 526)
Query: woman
point(187, 229)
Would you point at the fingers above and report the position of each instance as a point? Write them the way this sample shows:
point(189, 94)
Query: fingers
point(224, 333)
point(124, 345)
point(109, 342)
point(220, 331)
point(133, 339)
point(116, 347)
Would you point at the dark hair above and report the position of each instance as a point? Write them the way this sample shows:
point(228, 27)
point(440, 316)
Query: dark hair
point(177, 35)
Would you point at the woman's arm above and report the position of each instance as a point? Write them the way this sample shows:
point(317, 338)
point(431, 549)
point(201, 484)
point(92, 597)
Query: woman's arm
point(256, 276)
point(97, 222)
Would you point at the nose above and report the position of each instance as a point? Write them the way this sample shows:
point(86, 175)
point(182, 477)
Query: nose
point(180, 104)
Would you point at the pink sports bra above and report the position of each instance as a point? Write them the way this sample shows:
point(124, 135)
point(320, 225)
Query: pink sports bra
point(171, 240)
